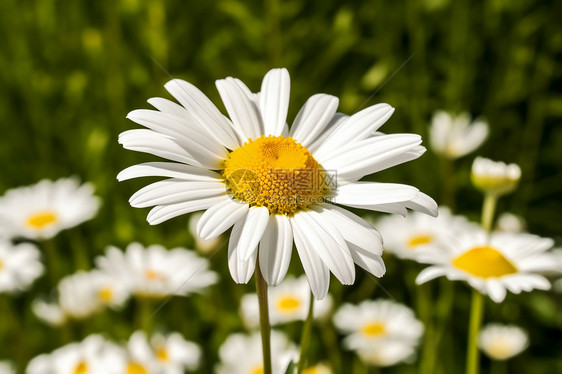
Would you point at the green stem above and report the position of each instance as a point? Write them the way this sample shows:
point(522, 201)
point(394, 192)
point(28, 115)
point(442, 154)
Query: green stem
point(488, 210)
point(265, 327)
point(423, 302)
point(305, 337)
point(52, 260)
point(476, 313)
point(144, 315)
point(498, 367)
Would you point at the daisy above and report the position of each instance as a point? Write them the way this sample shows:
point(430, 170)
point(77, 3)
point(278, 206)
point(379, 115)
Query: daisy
point(242, 354)
point(167, 354)
point(19, 266)
point(501, 342)
point(202, 245)
point(374, 323)
point(271, 184)
point(6, 367)
point(455, 136)
point(81, 295)
point(492, 263)
point(495, 177)
point(288, 302)
point(42, 210)
point(387, 354)
point(94, 355)
point(155, 272)
point(405, 236)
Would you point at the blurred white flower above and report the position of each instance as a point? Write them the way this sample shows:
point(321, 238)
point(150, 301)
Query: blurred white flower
point(6, 367)
point(165, 354)
point(19, 266)
point(42, 210)
point(81, 295)
point(455, 136)
point(501, 342)
point(287, 302)
point(388, 354)
point(509, 222)
point(318, 369)
point(269, 183)
point(375, 323)
point(405, 236)
point(94, 355)
point(495, 177)
point(202, 245)
point(156, 272)
point(492, 263)
point(242, 354)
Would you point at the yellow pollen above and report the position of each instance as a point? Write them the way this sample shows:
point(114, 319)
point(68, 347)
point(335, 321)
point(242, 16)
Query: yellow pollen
point(417, 240)
point(162, 354)
point(258, 370)
point(81, 368)
point(105, 294)
point(288, 303)
point(40, 220)
point(374, 329)
point(484, 262)
point(151, 274)
point(276, 172)
point(500, 349)
point(134, 368)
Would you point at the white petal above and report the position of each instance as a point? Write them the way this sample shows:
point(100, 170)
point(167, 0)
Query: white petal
point(359, 126)
point(317, 273)
point(243, 111)
point(355, 160)
point(424, 204)
point(276, 246)
point(220, 218)
point(169, 169)
point(256, 222)
point(206, 113)
point(173, 191)
point(328, 244)
point(241, 271)
point(313, 118)
point(332, 126)
point(362, 194)
point(156, 144)
point(160, 214)
point(274, 100)
point(495, 290)
point(430, 273)
point(368, 260)
point(168, 106)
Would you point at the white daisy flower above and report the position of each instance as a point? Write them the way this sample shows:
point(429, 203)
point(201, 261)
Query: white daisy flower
point(156, 272)
point(94, 355)
point(509, 222)
point(491, 263)
point(167, 354)
point(273, 185)
point(455, 136)
point(6, 367)
point(377, 323)
point(501, 342)
point(19, 266)
point(288, 302)
point(495, 177)
point(242, 354)
point(81, 295)
point(387, 354)
point(42, 210)
point(202, 245)
point(405, 236)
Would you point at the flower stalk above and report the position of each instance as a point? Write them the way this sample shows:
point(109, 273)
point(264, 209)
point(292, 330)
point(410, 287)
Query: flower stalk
point(476, 313)
point(265, 327)
point(305, 337)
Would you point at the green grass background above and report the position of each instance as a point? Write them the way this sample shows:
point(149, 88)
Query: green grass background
point(70, 71)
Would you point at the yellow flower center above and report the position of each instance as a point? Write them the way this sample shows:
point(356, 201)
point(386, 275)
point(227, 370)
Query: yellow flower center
point(162, 354)
point(276, 172)
point(374, 329)
point(42, 219)
point(134, 368)
point(312, 370)
point(151, 274)
point(417, 240)
point(484, 262)
point(258, 370)
point(81, 368)
point(288, 304)
point(105, 294)
point(499, 349)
